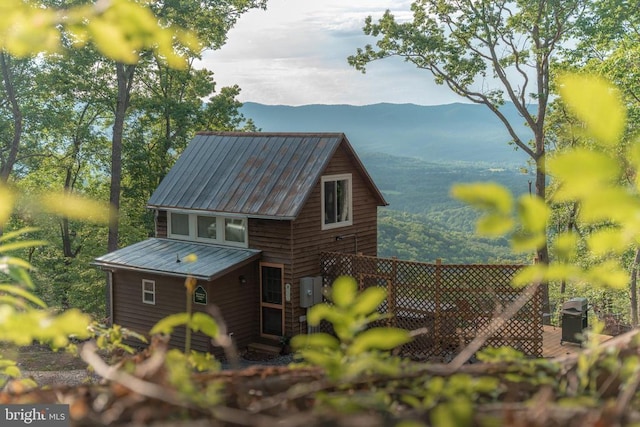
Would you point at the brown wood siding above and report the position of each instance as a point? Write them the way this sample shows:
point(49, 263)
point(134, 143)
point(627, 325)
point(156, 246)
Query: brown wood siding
point(309, 238)
point(161, 224)
point(238, 305)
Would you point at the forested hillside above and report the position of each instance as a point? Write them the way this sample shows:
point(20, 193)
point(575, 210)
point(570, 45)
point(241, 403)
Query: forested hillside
point(438, 133)
point(416, 186)
point(418, 237)
point(423, 222)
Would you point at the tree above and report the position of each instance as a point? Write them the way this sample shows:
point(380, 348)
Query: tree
point(170, 106)
point(610, 48)
point(607, 39)
point(488, 52)
point(12, 96)
point(210, 21)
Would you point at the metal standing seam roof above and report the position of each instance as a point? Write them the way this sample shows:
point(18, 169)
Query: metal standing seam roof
point(266, 175)
point(159, 256)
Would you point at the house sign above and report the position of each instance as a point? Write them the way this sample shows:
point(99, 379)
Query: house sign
point(200, 295)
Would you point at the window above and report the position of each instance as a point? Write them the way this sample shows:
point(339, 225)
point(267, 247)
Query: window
point(148, 291)
point(234, 230)
point(208, 228)
point(180, 224)
point(336, 201)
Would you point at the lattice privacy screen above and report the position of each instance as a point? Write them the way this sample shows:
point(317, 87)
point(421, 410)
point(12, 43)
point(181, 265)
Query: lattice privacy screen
point(452, 303)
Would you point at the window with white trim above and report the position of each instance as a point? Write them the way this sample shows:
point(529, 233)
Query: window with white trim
point(180, 224)
point(148, 291)
point(336, 201)
point(207, 228)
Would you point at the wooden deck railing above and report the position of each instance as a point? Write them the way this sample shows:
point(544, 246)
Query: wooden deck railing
point(453, 303)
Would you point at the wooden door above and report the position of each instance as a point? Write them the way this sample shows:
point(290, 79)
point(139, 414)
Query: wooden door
point(271, 300)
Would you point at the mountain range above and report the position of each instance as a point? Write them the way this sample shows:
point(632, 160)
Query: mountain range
point(442, 133)
point(415, 154)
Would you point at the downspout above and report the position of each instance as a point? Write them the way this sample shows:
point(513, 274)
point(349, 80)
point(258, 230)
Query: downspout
point(110, 296)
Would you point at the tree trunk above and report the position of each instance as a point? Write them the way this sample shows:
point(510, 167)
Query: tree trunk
point(125, 79)
point(69, 184)
point(634, 289)
point(542, 254)
point(6, 167)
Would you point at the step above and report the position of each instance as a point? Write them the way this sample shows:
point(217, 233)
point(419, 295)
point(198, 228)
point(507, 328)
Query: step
point(264, 348)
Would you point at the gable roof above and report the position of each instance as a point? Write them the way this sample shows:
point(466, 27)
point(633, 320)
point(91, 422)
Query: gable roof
point(160, 256)
point(265, 175)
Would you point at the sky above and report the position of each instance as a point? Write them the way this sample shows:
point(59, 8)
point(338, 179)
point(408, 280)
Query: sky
point(295, 53)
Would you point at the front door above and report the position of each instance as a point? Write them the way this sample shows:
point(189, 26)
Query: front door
point(271, 300)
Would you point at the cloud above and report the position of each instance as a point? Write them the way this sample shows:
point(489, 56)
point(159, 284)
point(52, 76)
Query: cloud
point(296, 53)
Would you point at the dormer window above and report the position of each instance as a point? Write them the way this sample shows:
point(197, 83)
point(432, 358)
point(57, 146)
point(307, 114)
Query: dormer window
point(208, 228)
point(180, 224)
point(336, 201)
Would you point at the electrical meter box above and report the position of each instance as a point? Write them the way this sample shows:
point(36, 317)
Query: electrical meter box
point(310, 291)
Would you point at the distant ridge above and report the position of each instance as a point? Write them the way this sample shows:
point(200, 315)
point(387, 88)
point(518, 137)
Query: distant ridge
point(442, 133)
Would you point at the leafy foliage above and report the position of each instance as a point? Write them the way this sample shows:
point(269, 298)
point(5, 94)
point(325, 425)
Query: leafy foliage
point(356, 349)
point(589, 178)
point(23, 316)
point(120, 29)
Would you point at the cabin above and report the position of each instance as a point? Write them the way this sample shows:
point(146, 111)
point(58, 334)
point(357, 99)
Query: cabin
point(256, 210)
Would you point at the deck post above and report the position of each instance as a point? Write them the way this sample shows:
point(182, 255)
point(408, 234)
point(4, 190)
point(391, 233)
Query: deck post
point(437, 308)
point(391, 291)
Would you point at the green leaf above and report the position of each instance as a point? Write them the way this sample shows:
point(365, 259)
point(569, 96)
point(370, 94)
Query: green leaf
point(169, 323)
point(14, 246)
point(597, 103)
point(7, 199)
point(76, 207)
point(369, 300)
point(495, 225)
point(344, 291)
point(12, 371)
point(457, 413)
point(204, 323)
point(581, 172)
point(318, 340)
point(11, 234)
point(534, 213)
point(320, 312)
point(565, 246)
point(18, 291)
point(378, 339)
point(608, 273)
point(20, 276)
point(539, 273)
point(526, 242)
point(488, 196)
point(605, 241)
point(609, 204)
point(633, 154)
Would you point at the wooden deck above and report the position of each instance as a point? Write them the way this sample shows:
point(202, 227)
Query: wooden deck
point(551, 347)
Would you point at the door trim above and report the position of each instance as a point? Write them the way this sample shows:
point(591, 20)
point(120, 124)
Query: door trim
point(272, 305)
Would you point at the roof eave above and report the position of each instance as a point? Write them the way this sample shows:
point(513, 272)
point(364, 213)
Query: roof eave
point(205, 212)
point(114, 266)
point(382, 201)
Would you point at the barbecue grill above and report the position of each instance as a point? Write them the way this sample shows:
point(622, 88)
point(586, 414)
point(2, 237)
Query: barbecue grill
point(574, 320)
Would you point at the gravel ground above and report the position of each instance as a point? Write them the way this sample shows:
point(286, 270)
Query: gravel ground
point(256, 360)
point(72, 377)
point(82, 376)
